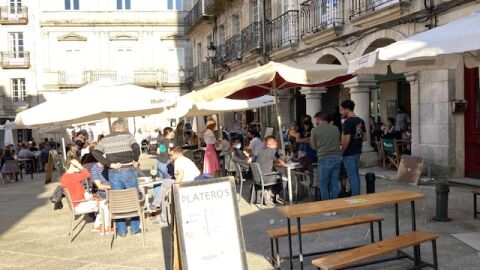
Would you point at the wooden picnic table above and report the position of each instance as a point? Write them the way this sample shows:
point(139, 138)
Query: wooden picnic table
point(395, 197)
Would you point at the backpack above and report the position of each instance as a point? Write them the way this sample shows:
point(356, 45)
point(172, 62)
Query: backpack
point(56, 198)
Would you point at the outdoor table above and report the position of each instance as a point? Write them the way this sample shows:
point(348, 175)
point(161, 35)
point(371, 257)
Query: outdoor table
point(289, 167)
point(349, 204)
point(146, 185)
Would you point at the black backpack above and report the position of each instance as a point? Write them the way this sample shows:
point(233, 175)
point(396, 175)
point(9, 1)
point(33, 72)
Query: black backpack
point(56, 198)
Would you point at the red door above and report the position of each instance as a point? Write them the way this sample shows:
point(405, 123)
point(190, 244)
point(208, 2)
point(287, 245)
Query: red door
point(472, 123)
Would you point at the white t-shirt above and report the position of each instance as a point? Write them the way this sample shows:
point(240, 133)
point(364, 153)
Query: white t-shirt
point(209, 137)
point(256, 145)
point(190, 171)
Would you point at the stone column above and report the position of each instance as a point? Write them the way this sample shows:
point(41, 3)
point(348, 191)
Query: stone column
point(286, 98)
point(412, 78)
point(313, 97)
point(360, 94)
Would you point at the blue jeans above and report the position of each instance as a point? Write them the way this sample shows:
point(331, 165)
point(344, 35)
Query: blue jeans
point(163, 170)
point(328, 170)
point(351, 166)
point(124, 178)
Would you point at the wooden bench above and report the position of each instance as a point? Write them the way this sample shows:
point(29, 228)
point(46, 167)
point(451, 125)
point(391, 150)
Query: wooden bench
point(476, 192)
point(358, 255)
point(275, 234)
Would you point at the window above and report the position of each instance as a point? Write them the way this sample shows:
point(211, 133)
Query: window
point(72, 4)
point(254, 11)
point(18, 90)
point(123, 4)
point(221, 34)
point(175, 5)
point(235, 24)
point(15, 6)
point(175, 57)
point(16, 44)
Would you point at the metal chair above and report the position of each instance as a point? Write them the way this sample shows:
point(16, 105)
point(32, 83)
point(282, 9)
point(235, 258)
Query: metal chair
point(239, 177)
point(124, 203)
point(258, 180)
point(74, 213)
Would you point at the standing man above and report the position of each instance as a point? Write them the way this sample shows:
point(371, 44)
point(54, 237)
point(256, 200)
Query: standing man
point(119, 152)
point(165, 146)
point(353, 135)
point(325, 139)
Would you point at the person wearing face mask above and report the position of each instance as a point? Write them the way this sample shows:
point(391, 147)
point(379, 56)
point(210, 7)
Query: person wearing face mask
point(238, 156)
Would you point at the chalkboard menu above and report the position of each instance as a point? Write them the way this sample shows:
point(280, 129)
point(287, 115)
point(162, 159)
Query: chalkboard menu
point(208, 223)
point(54, 160)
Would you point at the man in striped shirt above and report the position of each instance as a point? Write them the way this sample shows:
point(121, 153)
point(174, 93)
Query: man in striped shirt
point(119, 152)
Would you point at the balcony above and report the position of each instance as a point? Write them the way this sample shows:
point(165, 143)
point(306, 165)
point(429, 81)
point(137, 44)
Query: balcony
point(203, 72)
point(71, 79)
point(252, 38)
point(221, 54)
point(321, 15)
point(284, 30)
point(16, 16)
point(234, 48)
point(198, 12)
point(15, 60)
point(370, 12)
point(12, 105)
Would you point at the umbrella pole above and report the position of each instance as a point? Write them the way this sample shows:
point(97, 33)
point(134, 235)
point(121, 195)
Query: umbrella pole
point(109, 123)
point(279, 119)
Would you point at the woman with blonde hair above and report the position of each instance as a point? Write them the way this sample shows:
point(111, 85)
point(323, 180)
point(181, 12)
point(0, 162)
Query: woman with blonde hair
point(210, 161)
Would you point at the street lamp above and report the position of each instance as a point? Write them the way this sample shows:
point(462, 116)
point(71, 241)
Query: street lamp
point(211, 51)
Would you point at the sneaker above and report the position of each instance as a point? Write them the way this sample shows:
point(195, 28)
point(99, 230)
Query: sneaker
point(153, 207)
point(122, 235)
point(161, 221)
point(330, 214)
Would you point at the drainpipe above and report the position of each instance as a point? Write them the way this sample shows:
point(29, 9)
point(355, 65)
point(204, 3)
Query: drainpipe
point(263, 20)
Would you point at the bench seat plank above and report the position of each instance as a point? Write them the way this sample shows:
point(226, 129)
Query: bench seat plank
point(325, 225)
point(364, 253)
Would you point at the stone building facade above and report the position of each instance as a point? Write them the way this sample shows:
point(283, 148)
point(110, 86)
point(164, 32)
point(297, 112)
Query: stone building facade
point(60, 45)
point(248, 33)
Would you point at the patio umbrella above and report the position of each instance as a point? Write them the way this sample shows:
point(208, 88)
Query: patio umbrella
point(442, 47)
point(272, 77)
point(185, 106)
point(8, 138)
point(99, 100)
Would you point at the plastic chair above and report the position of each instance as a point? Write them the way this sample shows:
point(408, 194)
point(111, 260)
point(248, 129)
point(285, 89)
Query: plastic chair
point(258, 180)
point(124, 203)
point(74, 213)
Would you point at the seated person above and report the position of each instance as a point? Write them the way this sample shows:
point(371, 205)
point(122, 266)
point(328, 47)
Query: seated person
point(388, 130)
point(25, 152)
point(194, 139)
point(238, 156)
point(72, 181)
point(5, 169)
point(185, 171)
point(266, 159)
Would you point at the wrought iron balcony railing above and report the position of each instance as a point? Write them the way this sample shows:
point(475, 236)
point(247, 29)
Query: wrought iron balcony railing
point(17, 104)
point(13, 15)
point(203, 71)
point(11, 60)
point(252, 37)
point(284, 30)
point(318, 15)
point(234, 48)
point(221, 54)
point(362, 7)
point(198, 11)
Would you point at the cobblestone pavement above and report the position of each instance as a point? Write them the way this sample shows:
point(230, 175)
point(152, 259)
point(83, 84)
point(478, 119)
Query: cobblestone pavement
point(33, 236)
